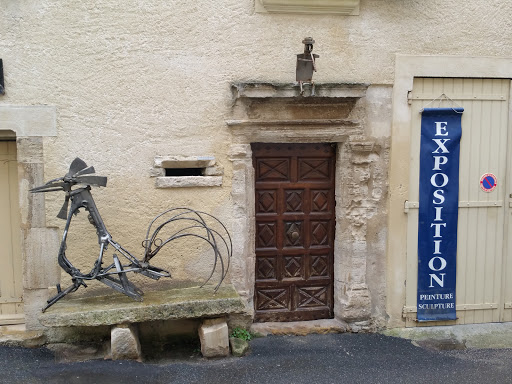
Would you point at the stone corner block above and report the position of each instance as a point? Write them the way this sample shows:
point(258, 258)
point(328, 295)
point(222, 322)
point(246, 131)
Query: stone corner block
point(357, 304)
point(34, 300)
point(41, 251)
point(239, 347)
point(213, 334)
point(124, 343)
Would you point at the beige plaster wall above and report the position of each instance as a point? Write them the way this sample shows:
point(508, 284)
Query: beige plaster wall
point(136, 79)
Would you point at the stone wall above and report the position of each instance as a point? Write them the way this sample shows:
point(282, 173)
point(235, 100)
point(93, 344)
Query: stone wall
point(130, 82)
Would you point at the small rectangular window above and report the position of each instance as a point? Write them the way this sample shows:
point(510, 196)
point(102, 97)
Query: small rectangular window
point(184, 171)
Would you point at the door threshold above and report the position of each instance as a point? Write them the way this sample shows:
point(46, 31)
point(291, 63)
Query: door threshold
point(300, 328)
point(12, 319)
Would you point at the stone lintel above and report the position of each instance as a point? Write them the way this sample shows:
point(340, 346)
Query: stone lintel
point(264, 132)
point(288, 90)
point(184, 161)
point(308, 123)
point(115, 308)
point(34, 120)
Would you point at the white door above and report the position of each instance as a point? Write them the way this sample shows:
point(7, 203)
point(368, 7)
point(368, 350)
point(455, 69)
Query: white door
point(11, 288)
point(483, 291)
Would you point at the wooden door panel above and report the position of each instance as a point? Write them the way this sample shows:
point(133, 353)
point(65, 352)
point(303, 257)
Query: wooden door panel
point(11, 287)
point(314, 169)
point(294, 267)
point(319, 266)
point(482, 216)
point(320, 199)
point(294, 200)
point(269, 169)
point(266, 201)
point(294, 231)
point(266, 268)
point(266, 235)
point(293, 235)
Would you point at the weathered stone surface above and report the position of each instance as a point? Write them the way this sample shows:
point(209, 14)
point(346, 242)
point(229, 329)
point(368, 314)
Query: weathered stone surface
point(115, 308)
point(282, 90)
point(299, 328)
point(356, 305)
point(239, 347)
point(184, 161)
point(19, 336)
point(479, 336)
point(188, 181)
point(78, 335)
point(124, 343)
point(65, 352)
point(214, 338)
point(41, 247)
point(34, 300)
point(37, 120)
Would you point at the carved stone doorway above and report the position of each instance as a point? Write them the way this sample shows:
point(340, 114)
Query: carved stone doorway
point(276, 114)
point(294, 242)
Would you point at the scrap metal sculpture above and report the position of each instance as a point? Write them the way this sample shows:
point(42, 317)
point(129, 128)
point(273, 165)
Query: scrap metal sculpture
point(306, 65)
point(182, 222)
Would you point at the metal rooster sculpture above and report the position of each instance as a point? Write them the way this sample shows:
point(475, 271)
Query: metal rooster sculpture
point(183, 222)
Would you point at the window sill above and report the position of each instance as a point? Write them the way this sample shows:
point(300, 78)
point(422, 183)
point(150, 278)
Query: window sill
point(311, 7)
point(188, 181)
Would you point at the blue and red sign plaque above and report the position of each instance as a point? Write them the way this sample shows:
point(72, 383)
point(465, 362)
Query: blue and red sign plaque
point(438, 213)
point(488, 182)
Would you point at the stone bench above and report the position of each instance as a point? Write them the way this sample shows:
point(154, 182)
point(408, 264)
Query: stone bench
point(122, 313)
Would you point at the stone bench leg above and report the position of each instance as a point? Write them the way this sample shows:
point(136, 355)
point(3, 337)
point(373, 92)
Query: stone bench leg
point(214, 337)
point(124, 342)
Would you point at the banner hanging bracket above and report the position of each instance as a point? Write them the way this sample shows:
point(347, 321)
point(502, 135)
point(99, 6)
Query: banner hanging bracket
point(440, 99)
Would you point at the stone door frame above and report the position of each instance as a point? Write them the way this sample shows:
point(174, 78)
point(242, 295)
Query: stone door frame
point(39, 244)
point(352, 302)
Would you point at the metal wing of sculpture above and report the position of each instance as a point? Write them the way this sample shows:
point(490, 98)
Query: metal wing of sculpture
point(178, 223)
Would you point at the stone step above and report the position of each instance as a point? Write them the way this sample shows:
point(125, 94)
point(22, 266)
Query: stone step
point(18, 336)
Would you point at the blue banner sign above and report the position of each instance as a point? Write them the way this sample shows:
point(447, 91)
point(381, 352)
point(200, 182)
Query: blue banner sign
point(438, 213)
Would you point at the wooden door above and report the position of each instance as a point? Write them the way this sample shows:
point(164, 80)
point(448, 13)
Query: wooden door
point(11, 289)
point(294, 231)
point(483, 261)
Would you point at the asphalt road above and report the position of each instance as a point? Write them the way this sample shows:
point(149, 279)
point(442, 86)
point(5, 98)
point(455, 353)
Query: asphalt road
point(335, 358)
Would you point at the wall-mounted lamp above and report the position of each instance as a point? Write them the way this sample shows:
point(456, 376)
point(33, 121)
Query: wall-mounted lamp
point(306, 65)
